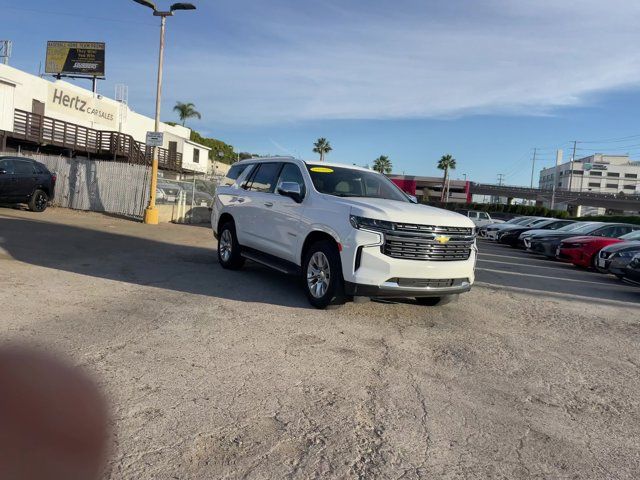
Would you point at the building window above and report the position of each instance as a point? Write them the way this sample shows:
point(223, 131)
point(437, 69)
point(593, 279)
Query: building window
point(629, 187)
point(630, 175)
point(196, 155)
point(612, 185)
point(578, 172)
point(595, 174)
point(594, 184)
point(613, 174)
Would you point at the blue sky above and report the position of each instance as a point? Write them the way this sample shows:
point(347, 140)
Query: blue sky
point(412, 79)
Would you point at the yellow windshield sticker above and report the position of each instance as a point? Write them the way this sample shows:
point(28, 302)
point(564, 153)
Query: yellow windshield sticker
point(321, 170)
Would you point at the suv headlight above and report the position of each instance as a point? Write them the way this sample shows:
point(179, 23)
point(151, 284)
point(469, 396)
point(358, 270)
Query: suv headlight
point(364, 223)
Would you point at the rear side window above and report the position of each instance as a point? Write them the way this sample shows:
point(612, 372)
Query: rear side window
point(22, 167)
point(7, 166)
point(40, 169)
point(234, 172)
point(264, 179)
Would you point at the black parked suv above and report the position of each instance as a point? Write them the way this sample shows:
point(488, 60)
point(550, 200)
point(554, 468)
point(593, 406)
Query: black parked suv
point(23, 180)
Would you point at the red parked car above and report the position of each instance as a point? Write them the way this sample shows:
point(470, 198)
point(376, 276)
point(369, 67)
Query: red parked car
point(583, 251)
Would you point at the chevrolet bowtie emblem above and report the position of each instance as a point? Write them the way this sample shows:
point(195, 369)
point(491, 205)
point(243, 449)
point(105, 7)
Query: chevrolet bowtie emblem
point(442, 239)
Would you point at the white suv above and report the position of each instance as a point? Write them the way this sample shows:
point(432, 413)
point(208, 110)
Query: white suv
point(347, 231)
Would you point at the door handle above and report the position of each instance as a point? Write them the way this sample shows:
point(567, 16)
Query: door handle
point(268, 204)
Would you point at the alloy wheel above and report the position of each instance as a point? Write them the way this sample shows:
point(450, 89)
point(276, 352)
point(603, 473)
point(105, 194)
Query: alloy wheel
point(318, 275)
point(226, 245)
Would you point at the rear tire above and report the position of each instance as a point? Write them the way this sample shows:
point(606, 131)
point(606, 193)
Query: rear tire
point(436, 301)
point(229, 254)
point(322, 275)
point(38, 201)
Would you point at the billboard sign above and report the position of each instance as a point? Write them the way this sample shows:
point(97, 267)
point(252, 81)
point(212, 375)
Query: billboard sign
point(75, 58)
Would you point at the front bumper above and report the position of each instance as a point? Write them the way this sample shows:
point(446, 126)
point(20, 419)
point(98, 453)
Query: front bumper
point(394, 289)
point(369, 272)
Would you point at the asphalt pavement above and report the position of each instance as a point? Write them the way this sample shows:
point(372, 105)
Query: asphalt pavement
point(504, 266)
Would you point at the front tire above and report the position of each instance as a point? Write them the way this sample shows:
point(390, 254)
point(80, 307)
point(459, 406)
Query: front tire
point(322, 275)
point(38, 201)
point(436, 301)
point(229, 255)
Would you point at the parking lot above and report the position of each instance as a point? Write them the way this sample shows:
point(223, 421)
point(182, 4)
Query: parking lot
point(514, 268)
point(215, 374)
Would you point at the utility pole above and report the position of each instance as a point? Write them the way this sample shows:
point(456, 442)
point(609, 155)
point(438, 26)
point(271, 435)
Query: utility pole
point(573, 158)
point(533, 165)
point(151, 212)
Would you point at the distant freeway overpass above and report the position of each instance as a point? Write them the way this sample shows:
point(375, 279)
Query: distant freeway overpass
point(590, 199)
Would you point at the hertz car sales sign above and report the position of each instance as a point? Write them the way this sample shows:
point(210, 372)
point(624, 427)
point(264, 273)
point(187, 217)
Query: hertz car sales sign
point(79, 106)
point(75, 58)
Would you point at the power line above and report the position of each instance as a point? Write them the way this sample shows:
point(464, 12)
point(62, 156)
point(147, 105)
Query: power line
point(611, 140)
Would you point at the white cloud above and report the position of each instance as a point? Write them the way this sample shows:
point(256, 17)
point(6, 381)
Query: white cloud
point(409, 59)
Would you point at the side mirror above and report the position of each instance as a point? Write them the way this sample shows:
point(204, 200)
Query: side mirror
point(291, 190)
point(412, 198)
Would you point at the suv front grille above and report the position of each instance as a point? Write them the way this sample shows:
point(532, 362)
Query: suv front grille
point(427, 242)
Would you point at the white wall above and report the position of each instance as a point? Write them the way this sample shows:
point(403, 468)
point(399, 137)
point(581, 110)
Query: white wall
point(62, 100)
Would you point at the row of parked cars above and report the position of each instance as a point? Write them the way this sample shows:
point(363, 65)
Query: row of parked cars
point(606, 247)
point(170, 192)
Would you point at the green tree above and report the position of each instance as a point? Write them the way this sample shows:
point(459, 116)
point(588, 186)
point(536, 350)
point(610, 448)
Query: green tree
point(186, 111)
point(322, 146)
point(446, 163)
point(382, 164)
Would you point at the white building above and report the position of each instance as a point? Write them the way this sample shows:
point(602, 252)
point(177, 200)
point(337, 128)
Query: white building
point(57, 115)
point(598, 173)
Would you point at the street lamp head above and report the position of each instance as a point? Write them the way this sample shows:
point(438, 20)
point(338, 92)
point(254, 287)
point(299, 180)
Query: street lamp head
point(182, 6)
point(147, 3)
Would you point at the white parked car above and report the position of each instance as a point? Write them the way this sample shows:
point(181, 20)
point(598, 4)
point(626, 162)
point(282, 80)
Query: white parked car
point(480, 219)
point(347, 231)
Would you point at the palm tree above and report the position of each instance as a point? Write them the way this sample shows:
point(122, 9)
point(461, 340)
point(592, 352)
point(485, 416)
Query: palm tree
point(322, 146)
point(446, 163)
point(382, 164)
point(186, 111)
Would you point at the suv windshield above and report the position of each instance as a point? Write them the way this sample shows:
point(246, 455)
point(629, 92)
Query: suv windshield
point(348, 182)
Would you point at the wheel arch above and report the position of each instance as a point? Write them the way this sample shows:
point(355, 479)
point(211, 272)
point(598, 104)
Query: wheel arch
point(316, 236)
point(224, 218)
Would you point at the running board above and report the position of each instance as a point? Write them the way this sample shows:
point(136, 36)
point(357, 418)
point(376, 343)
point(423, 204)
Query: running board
point(270, 261)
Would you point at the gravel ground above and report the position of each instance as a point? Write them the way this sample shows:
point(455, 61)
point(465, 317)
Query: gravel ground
point(216, 374)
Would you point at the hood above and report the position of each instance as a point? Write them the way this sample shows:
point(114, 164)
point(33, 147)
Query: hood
point(395, 211)
point(589, 239)
point(623, 246)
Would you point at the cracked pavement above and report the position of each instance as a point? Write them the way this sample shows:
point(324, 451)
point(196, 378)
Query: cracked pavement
point(216, 374)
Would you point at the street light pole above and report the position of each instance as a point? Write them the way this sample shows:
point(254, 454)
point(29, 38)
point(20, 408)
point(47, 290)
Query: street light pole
point(151, 212)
